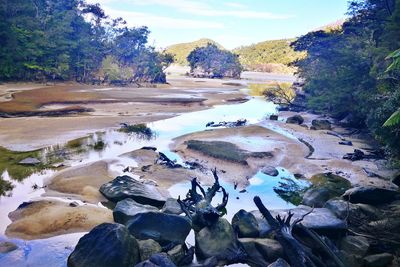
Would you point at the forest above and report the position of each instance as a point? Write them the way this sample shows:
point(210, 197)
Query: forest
point(43, 40)
point(353, 73)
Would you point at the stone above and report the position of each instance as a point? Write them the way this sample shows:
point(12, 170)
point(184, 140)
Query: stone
point(172, 206)
point(245, 224)
point(74, 204)
point(321, 125)
point(370, 195)
point(127, 187)
point(161, 227)
point(262, 250)
point(127, 208)
point(157, 260)
point(346, 143)
point(350, 259)
point(296, 119)
point(279, 263)
point(215, 240)
point(316, 197)
point(106, 245)
point(270, 170)
point(177, 253)
point(7, 246)
point(355, 245)
point(378, 260)
point(341, 208)
point(30, 161)
point(273, 117)
point(147, 248)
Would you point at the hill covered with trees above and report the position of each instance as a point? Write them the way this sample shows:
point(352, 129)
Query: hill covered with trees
point(181, 51)
point(354, 72)
point(72, 40)
point(269, 56)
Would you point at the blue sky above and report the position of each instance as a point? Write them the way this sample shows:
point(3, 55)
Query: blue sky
point(232, 23)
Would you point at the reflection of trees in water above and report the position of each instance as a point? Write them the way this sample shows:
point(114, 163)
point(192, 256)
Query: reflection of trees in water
point(291, 191)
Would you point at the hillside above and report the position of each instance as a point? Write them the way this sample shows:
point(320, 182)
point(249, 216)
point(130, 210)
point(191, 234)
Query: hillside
point(270, 56)
point(182, 50)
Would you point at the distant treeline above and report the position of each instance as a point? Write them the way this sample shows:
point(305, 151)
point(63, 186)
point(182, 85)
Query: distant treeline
point(353, 72)
point(72, 40)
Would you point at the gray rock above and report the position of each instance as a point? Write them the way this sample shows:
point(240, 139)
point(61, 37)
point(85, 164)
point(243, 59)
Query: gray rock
point(378, 260)
point(370, 195)
point(316, 197)
point(245, 224)
point(127, 208)
point(341, 208)
point(177, 253)
point(30, 161)
point(321, 125)
point(172, 206)
point(7, 246)
point(279, 263)
point(350, 259)
point(346, 143)
point(106, 245)
point(125, 186)
point(296, 119)
point(262, 250)
point(157, 260)
point(273, 117)
point(270, 170)
point(161, 227)
point(355, 245)
point(147, 248)
point(215, 240)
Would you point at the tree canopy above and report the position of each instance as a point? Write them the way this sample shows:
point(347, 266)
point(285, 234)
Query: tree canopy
point(348, 72)
point(213, 62)
point(69, 40)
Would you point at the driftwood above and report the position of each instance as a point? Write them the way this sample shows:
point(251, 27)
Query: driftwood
point(298, 254)
point(198, 207)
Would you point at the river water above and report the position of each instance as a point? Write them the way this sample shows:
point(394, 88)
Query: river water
point(54, 251)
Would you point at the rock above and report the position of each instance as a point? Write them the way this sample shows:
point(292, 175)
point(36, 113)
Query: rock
point(346, 143)
point(127, 208)
point(340, 207)
point(355, 245)
point(350, 259)
point(7, 246)
point(127, 187)
point(30, 161)
point(172, 206)
point(321, 125)
point(161, 227)
point(270, 170)
point(74, 204)
point(335, 184)
point(370, 195)
point(356, 155)
point(108, 245)
point(177, 253)
point(147, 248)
point(279, 263)
point(321, 220)
point(216, 240)
point(396, 180)
point(273, 117)
point(296, 119)
point(262, 250)
point(157, 260)
point(378, 260)
point(245, 224)
point(316, 197)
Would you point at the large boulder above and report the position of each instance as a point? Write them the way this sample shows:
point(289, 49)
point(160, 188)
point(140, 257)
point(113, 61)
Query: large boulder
point(316, 197)
point(108, 245)
point(355, 245)
point(216, 240)
point(378, 260)
point(341, 208)
point(262, 250)
point(127, 187)
point(245, 224)
point(147, 248)
point(127, 208)
point(321, 125)
point(370, 195)
point(296, 119)
point(172, 206)
point(161, 227)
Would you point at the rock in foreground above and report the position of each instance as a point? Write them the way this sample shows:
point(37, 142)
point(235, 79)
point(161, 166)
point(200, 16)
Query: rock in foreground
point(107, 245)
point(127, 208)
point(370, 195)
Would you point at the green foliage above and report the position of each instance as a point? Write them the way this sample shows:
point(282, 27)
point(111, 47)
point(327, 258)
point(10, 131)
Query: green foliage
point(269, 56)
point(140, 128)
point(393, 120)
point(347, 70)
point(181, 51)
point(212, 62)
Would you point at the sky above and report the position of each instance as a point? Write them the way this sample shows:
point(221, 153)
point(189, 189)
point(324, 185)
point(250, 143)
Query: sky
point(232, 23)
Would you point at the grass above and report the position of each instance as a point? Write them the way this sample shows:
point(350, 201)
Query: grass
point(224, 150)
point(140, 128)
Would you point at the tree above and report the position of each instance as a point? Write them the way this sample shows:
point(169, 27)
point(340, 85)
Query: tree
point(212, 62)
